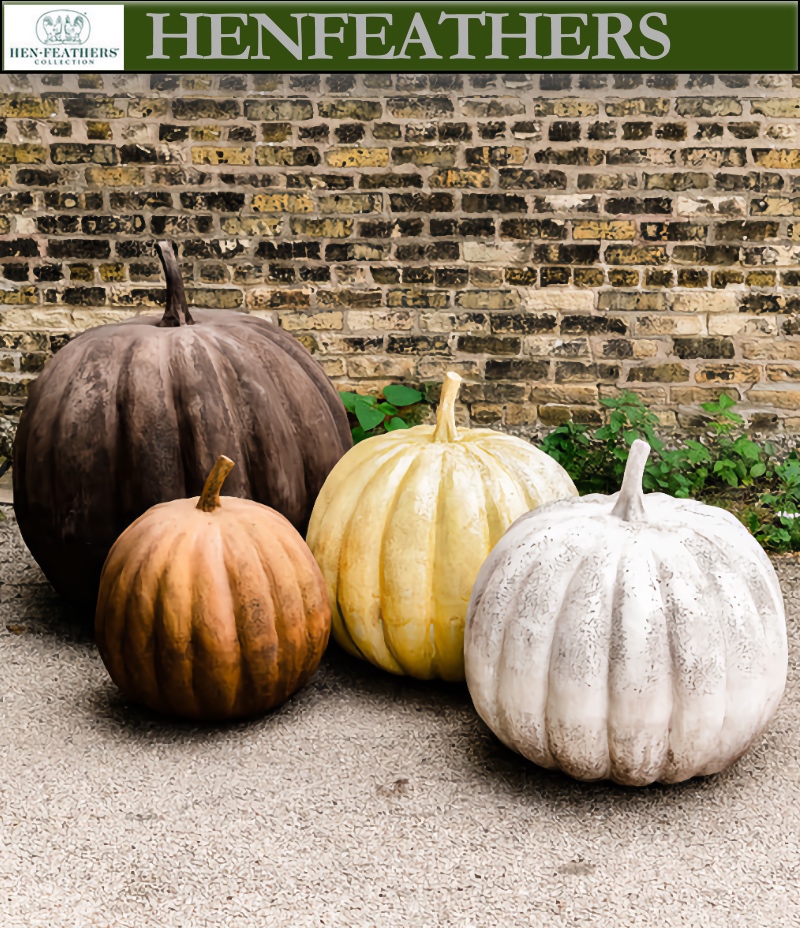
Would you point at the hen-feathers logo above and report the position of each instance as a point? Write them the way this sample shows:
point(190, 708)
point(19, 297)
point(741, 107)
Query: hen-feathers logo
point(42, 36)
point(63, 27)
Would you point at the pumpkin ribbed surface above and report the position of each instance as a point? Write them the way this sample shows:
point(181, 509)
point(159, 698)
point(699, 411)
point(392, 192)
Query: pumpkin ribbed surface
point(402, 526)
point(636, 644)
point(135, 413)
point(211, 615)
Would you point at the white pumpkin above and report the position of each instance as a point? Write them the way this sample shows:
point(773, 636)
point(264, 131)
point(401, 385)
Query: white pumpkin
point(627, 637)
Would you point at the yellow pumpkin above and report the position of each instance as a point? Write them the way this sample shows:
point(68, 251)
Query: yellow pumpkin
point(402, 526)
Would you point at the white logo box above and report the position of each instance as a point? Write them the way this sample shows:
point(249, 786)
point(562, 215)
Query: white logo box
point(63, 37)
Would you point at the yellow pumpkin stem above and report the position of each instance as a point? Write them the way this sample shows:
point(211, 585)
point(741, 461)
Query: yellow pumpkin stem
point(630, 503)
point(446, 415)
point(209, 498)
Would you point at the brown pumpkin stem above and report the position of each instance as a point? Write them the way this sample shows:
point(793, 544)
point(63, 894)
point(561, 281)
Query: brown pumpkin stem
point(446, 414)
point(209, 498)
point(630, 503)
point(176, 295)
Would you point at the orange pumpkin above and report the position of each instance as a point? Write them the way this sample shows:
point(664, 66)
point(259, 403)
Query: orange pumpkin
point(211, 609)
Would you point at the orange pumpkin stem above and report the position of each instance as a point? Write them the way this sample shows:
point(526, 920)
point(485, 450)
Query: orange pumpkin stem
point(209, 498)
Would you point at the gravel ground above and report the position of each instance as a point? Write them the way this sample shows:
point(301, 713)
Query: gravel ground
point(366, 801)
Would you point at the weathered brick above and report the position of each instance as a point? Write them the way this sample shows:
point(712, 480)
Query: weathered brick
point(282, 203)
point(636, 254)
point(563, 394)
point(262, 298)
point(780, 399)
point(746, 231)
point(777, 157)
point(77, 153)
point(419, 107)
point(358, 157)
point(673, 232)
point(687, 180)
point(566, 203)
point(638, 106)
point(140, 108)
point(627, 301)
point(209, 154)
point(422, 203)
point(617, 181)
point(659, 373)
point(390, 181)
point(21, 106)
point(603, 229)
point(708, 106)
point(580, 155)
point(323, 228)
point(579, 371)
point(728, 373)
point(489, 344)
point(706, 302)
point(417, 344)
point(702, 347)
point(526, 179)
point(487, 299)
point(347, 109)
point(500, 155)
point(776, 206)
point(565, 108)
point(22, 154)
point(777, 108)
point(523, 323)
point(224, 202)
point(783, 372)
point(439, 156)
point(593, 325)
point(533, 228)
point(492, 107)
point(517, 369)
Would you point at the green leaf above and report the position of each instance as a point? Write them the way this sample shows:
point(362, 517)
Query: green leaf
point(387, 409)
point(349, 400)
point(368, 417)
point(758, 469)
point(358, 434)
point(401, 396)
point(394, 424)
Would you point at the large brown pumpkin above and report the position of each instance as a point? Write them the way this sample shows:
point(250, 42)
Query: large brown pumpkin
point(211, 609)
point(135, 413)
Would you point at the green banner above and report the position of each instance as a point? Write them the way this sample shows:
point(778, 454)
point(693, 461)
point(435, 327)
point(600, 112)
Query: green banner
point(348, 35)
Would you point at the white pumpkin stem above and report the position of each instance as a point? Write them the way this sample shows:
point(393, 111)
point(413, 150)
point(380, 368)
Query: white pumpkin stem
point(446, 415)
point(630, 504)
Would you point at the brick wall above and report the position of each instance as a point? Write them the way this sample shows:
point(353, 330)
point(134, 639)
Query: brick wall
point(554, 238)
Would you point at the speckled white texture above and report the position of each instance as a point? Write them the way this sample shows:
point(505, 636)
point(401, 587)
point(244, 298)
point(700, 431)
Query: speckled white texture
point(630, 637)
point(368, 800)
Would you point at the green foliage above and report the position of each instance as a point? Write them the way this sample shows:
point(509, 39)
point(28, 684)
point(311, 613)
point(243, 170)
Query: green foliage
point(722, 470)
point(396, 407)
point(781, 530)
